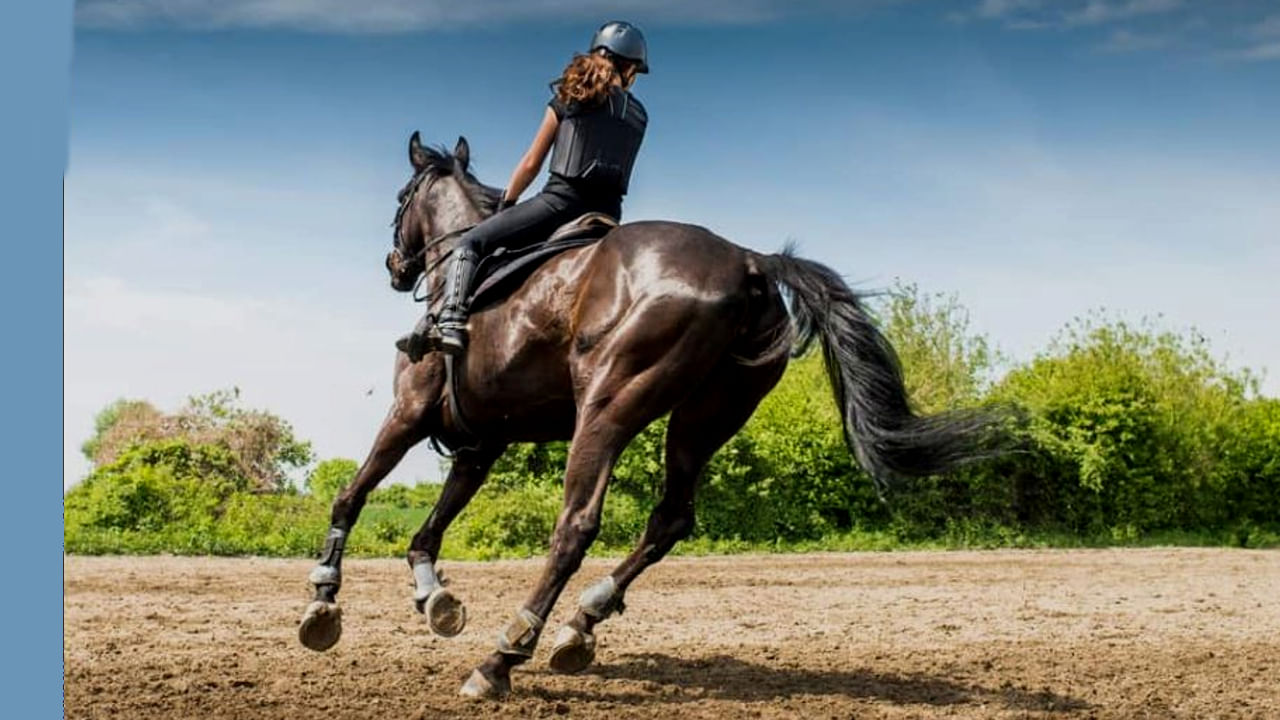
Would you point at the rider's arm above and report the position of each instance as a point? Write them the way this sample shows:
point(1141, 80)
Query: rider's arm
point(529, 166)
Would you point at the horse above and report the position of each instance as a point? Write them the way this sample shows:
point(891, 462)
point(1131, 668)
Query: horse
point(655, 318)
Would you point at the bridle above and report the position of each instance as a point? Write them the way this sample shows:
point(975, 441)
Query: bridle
point(416, 263)
point(405, 261)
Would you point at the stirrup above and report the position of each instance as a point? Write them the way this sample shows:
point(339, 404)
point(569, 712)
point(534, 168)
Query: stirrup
point(453, 339)
point(422, 340)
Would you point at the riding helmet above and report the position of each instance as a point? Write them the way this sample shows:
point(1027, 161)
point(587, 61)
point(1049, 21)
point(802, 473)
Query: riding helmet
point(624, 40)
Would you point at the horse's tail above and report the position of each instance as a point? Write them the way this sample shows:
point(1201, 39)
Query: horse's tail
point(888, 439)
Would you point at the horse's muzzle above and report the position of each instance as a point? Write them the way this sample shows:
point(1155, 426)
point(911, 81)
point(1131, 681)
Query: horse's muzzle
point(401, 280)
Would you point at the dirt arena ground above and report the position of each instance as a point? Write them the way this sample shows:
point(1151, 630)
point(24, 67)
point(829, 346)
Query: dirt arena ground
point(1056, 634)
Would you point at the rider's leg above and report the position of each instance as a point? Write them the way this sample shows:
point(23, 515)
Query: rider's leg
point(457, 288)
point(524, 224)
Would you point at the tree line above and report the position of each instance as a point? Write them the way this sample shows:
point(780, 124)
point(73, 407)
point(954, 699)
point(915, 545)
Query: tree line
point(1126, 433)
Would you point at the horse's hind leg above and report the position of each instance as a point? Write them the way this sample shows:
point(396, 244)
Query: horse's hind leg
point(698, 428)
point(648, 368)
point(445, 613)
point(404, 427)
point(598, 443)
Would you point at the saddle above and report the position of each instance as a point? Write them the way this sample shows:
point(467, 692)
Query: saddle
point(503, 271)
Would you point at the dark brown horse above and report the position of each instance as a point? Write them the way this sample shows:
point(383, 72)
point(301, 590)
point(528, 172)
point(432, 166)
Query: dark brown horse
point(656, 318)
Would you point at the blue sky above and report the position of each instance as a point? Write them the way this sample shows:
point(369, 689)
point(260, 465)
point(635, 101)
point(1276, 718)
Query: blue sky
point(234, 165)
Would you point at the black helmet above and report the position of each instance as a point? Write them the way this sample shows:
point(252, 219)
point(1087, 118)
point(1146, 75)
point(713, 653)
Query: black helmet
point(624, 40)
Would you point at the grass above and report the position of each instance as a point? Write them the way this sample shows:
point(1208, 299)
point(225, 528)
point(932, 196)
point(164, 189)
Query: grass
point(385, 531)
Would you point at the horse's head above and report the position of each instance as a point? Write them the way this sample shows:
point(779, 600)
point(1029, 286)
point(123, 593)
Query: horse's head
point(440, 199)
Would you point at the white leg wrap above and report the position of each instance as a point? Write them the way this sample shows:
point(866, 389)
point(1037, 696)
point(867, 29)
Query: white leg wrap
point(425, 580)
point(325, 575)
point(600, 600)
point(329, 571)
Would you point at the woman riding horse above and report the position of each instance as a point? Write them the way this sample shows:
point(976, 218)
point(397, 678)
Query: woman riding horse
point(656, 319)
point(596, 126)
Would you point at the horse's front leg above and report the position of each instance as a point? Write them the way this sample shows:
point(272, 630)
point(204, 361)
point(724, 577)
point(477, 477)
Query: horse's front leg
point(446, 615)
point(405, 426)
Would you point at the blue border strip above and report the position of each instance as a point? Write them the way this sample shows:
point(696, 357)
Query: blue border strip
point(35, 74)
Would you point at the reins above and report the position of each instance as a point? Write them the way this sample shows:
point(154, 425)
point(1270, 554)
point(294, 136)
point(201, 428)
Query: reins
point(429, 269)
point(451, 375)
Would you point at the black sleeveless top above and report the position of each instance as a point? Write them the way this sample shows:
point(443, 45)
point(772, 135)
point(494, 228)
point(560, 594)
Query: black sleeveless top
point(596, 144)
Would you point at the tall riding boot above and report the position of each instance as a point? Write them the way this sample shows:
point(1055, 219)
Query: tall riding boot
point(453, 316)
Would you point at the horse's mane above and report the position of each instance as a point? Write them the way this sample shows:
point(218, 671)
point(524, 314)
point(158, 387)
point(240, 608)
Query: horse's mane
point(441, 163)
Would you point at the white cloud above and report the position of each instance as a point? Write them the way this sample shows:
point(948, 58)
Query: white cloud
point(1258, 53)
point(1265, 28)
point(1037, 14)
point(1096, 12)
point(1209, 30)
point(1125, 41)
point(108, 303)
point(1001, 8)
point(1262, 42)
point(392, 16)
point(1027, 24)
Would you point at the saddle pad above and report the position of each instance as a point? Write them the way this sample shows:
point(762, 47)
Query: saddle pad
point(503, 271)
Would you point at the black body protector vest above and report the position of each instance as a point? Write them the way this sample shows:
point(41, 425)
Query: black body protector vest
point(597, 146)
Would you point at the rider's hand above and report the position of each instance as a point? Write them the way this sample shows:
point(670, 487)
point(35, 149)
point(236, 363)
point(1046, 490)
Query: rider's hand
point(505, 202)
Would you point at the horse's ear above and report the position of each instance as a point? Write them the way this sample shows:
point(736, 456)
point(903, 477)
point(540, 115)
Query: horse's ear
point(417, 153)
point(462, 151)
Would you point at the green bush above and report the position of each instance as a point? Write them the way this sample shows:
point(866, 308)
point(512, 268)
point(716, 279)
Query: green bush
point(499, 522)
point(155, 485)
point(282, 525)
point(262, 444)
point(422, 495)
point(1133, 429)
point(329, 477)
point(173, 496)
point(530, 465)
point(788, 475)
point(945, 363)
point(122, 412)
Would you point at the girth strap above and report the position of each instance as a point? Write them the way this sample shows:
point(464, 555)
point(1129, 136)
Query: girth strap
point(441, 447)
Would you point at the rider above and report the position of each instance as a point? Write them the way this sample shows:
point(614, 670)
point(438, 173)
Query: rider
point(596, 126)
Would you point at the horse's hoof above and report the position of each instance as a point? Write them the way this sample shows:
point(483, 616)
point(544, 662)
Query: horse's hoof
point(480, 687)
point(321, 625)
point(446, 615)
point(574, 650)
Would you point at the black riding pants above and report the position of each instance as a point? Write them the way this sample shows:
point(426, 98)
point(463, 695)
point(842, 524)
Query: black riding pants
point(533, 220)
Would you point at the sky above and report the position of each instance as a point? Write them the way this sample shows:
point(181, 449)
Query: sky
point(234, 167)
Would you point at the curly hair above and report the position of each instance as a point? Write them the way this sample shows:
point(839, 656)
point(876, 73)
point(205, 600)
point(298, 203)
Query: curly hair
point(586, 79)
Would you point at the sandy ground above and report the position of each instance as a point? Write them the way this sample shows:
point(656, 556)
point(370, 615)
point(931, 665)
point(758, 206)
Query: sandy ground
point(1060, 634)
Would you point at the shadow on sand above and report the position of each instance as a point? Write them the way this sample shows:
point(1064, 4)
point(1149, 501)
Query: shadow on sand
point(720, 677)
